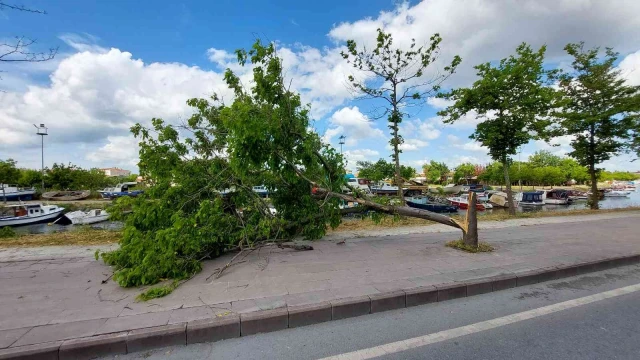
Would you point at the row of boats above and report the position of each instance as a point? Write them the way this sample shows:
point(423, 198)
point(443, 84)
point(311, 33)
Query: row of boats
point(28, 214)
point(15, 193)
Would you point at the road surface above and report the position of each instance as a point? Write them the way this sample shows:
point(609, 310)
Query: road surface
point(593, 316)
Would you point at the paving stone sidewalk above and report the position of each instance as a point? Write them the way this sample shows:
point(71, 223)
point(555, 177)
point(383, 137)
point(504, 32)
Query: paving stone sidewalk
point(64, 298)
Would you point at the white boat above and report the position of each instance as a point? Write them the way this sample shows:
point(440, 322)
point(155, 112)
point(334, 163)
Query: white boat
point(617, 193)
point(261, 191)
point(361, 184)
point(90, 217)
point(386, 189)
point(555, 197)
point(452, 188)
point(14, 193)
point(120, 190)
point(27, 214)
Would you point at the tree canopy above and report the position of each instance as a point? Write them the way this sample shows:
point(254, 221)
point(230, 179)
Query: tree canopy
point(599, 109)
point(513, 100)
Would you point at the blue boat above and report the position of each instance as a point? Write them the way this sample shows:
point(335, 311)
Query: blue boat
point(120, 190)
point(14, 193)
point(424, 204)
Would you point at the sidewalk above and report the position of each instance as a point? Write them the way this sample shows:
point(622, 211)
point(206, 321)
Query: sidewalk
point(48, 301)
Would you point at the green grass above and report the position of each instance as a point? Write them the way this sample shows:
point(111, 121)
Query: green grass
point(460, 245)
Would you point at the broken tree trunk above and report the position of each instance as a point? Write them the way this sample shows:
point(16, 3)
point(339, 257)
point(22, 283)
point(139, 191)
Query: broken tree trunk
point(402, 210)
point(470, 237)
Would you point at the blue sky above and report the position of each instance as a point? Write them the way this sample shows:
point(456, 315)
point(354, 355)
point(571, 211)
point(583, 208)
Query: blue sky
point(122, 62)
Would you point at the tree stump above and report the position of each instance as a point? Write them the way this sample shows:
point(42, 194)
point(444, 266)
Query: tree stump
point(470, 237)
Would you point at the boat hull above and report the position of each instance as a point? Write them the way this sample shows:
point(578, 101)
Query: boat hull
point(66, 195)
point(114, 195)
point(465, 206)
point(437, 208)
point(29, 220)
point(556, 201)
point(16, 196)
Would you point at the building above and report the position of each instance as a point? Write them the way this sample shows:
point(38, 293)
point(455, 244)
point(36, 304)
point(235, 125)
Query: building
point(114, 171)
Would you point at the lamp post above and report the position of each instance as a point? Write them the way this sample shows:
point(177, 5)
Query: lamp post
point(42, 131)
point(342, 137)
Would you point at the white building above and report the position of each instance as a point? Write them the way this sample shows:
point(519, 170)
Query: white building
point(114, 171)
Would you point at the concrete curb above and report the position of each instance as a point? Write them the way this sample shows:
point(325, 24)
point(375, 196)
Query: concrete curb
point(231, 326)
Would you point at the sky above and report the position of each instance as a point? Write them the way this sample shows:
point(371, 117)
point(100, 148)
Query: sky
point(125, 62)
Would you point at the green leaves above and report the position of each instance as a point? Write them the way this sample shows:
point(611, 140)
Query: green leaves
point(201, 203)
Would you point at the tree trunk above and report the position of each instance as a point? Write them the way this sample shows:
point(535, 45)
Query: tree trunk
point(396, 156)
point(507, 180)
point(470, 238)
point(595, 195)
point(399, 210)
point(4, 194)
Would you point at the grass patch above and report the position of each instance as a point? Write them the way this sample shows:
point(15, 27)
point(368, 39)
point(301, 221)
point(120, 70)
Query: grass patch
point(7, 232)
point(460, 245)
point(85, 236)
point(157, 292)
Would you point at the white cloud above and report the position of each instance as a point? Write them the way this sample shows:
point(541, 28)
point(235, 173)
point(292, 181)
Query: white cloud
point(419, 129)
point(96, 95)
point(412, 145)
point(82, 42)
point(353, 156)
point(471, 146)
point(353, 124)
point(119, 150)
point(487, 30)
point(630, 68)
point(438, 103)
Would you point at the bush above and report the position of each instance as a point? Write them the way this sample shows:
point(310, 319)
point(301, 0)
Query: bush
point(7, 232)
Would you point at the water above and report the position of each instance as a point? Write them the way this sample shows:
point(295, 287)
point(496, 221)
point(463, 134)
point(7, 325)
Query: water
point(607, 203)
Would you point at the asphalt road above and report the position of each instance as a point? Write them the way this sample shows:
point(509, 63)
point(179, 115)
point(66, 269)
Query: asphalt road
point(603, 328)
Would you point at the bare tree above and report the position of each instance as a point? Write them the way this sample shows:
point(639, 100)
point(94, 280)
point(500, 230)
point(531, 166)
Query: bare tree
point(20, 50)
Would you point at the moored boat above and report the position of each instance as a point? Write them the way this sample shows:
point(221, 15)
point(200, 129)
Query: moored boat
point(424, 204)
point(261, 190)
point(576, 195)
point(15, 193)
point(89, 217)
point(120, 190)
point(27, 214)
point(462, 202)
point(616, 193)
point(66, 195)
point(556, 197)
point(499, 198)
point(530, 199)
point(385, 189)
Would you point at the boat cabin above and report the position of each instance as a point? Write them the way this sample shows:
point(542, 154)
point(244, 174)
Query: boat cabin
point(532, 198)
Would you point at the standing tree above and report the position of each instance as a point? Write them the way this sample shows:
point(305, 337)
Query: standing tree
point(375, 172)
point(598, 109)
point(513, 100)
point(434, 171)
point(544, 158)
point(9, 174)
point(406, 173)
point(398, 80)
point(464, 171)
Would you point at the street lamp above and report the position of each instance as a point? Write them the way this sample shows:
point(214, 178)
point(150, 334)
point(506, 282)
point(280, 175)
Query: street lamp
point(42, 131)
point(342, 137)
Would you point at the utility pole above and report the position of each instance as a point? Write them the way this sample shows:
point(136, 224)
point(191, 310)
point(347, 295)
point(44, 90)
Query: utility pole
point(42, 131)
point(342, 137)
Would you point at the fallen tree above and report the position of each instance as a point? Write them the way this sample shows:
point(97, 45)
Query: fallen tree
point(201, 203)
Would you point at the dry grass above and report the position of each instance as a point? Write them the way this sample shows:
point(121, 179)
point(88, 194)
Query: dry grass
point(460, 245)
point(79, 237)
point(391, 221)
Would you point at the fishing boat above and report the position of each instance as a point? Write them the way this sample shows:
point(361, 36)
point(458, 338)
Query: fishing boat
point(556, 197)
point(15, 193)
point(120, 190)
point(530, 199)
point(66, 195)
point(452, 188)
point(422, 202)
point(27, 214)
point(616, 193)
point(462, 202)
point(89, 217)
point(360, 184)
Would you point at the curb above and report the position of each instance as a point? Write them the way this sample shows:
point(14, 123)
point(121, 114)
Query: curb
point(234, 325)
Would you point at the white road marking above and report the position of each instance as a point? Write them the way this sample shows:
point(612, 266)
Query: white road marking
point(403, 345)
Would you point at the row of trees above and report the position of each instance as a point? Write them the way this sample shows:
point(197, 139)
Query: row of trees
point(382, 169)
point(590, 102)
point(58, 177)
